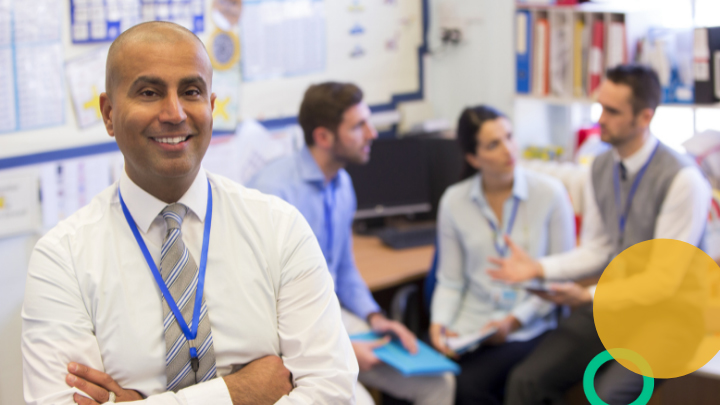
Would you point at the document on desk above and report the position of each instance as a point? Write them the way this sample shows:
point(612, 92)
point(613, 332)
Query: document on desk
point(425, 362)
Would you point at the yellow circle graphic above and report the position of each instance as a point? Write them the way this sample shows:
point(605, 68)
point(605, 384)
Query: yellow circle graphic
point(657, 299)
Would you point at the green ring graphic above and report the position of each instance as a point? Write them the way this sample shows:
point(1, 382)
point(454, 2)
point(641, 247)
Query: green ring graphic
point(604, 357)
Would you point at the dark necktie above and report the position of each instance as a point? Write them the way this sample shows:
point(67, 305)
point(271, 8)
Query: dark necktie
point(623, 172)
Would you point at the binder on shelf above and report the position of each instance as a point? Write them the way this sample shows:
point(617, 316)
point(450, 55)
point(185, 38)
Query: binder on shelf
point(561, 53)
point(716, 73)
point(701, 67)
point(580, 45)
point(706, 65)
point(595, 57)
point(616, 44)
point(523, 26)
point(541, 56)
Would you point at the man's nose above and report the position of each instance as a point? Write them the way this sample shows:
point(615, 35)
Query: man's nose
point(172, 110)
point(370, 131)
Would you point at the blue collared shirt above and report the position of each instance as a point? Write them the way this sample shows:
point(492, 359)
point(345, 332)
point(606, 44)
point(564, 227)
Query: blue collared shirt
point(466, 298)
point(298, 180)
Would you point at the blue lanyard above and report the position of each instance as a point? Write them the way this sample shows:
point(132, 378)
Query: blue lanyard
point(328, 207)
point(503, 250)
point(190, 334)
point(623, 214)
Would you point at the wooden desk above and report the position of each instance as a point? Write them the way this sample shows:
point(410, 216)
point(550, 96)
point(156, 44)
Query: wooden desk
point(382, 267)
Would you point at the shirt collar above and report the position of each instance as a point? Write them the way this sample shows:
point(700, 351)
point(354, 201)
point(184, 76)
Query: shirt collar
point(310, 171)
point(144, 207)
point(634, 162)
point(520, 186)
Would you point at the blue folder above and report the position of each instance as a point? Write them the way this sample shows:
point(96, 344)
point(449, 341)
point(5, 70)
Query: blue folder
point(523, 50)
point(426, 361)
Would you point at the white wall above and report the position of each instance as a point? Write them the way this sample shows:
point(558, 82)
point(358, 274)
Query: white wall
point(14, 254)
point(481, 69)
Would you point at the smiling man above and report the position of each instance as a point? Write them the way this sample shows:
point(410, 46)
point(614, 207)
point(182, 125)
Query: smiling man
point(174, 285)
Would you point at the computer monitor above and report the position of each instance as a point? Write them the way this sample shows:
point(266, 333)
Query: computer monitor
point(394, 182)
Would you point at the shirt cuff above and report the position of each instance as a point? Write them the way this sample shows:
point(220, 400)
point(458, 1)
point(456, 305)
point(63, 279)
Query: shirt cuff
point(368, 309)
point(211, 392)
point(525, 313)
point(552, 268)
point(591, 290)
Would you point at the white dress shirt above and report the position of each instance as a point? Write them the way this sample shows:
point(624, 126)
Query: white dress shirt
point(682, 217)
point(91, 298)
point(466, 298)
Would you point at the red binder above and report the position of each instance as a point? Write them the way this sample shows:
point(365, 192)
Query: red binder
point(597, 49)
point(541, 59)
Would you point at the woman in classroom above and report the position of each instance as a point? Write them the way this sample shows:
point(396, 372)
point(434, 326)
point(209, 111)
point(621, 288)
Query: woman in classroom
point(496, 198)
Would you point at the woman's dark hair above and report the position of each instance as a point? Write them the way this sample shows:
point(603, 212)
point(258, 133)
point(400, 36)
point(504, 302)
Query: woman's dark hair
point(469, 126)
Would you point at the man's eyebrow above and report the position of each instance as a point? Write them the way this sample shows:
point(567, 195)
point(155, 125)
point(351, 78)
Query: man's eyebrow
point(149, 80)
point(610, 109)
point(197, 80)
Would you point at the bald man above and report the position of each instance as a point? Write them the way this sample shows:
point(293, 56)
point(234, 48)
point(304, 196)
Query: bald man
point(177, 286)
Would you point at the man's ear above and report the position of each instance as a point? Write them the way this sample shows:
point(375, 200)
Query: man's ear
point(645, 117)
point(323, 137)
point(106, 111)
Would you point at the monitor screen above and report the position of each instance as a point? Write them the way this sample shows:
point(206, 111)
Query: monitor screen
point(394, 181)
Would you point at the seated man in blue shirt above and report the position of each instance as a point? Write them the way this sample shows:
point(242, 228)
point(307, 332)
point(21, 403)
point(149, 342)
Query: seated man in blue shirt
point(335, 122)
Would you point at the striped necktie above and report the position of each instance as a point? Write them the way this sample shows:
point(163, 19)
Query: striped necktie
point(180, 273)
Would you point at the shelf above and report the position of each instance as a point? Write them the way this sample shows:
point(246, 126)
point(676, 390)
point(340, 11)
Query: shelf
point(555, 100)
point(614, 8)
point(573, 101)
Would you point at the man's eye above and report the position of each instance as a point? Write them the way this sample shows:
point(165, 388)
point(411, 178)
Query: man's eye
point(147, 93)
point(193, 92)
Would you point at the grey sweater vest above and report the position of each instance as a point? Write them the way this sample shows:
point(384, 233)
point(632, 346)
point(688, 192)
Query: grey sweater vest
point(647, 202)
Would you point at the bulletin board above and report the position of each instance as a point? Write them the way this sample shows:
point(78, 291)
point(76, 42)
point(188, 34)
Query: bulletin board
point(263, 63)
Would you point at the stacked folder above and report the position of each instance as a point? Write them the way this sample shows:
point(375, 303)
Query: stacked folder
point(564, 52)
point(706, 65)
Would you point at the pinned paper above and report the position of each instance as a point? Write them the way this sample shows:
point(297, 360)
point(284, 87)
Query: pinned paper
point(86, 79)
point(19, 203)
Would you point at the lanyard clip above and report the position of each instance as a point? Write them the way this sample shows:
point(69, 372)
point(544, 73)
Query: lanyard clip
point(194, 361)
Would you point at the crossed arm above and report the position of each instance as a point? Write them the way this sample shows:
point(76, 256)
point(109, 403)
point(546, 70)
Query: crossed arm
point(264, 381)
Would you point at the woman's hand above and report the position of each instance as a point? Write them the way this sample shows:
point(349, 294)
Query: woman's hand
point(438, 336)
point(504, 327)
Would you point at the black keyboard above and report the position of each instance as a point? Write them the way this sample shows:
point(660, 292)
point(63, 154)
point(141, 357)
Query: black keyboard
point(402, 238)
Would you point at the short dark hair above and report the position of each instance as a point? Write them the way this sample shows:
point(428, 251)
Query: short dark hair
point(324, 105)
point(469, 126)
point(644, 83)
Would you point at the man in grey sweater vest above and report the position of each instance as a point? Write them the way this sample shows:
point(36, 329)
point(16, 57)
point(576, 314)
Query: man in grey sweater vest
point(662, 195)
